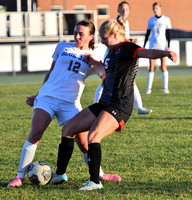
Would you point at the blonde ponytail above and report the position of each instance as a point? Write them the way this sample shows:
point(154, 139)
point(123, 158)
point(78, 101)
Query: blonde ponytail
point(112, 26)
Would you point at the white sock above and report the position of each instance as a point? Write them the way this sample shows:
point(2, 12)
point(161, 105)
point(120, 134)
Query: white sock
point(101, 173)
point(85, 158)
point(27, 156)
point(150, 80)
point(98, 93)
point(137, 98)
point(165, 77)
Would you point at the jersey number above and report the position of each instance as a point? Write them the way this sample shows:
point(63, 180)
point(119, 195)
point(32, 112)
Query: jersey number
point(74, 67)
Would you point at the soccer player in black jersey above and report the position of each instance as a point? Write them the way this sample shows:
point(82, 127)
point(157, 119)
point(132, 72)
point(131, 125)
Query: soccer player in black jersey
point(116, 103)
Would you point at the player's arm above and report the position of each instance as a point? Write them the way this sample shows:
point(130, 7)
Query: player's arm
point(30, 100)
point(49, 72)
point(98, 65)
point(146, 37)
point(168, 37)
point(154, 54)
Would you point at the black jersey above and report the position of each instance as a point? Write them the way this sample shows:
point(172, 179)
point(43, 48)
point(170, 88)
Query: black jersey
point(121, 68)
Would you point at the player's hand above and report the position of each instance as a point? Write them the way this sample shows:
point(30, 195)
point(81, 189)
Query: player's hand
point(96, 64)
point(30, 100)
point(173, 56)
point(135, 41)
point(101, 70)
point(89, 59)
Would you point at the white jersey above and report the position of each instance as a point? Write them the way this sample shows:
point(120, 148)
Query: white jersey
point(127, 34)
point(66, 81)
point(127, 31)
point(158, 27)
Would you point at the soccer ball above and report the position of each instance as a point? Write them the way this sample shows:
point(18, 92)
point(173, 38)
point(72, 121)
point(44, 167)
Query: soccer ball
point(39, 173)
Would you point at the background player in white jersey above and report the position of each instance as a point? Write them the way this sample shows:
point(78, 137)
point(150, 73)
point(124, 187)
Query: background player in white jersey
point(60, 93)
point(123, 11)
point(159, 28)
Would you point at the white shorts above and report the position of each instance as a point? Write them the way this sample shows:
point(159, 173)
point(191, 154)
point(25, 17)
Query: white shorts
point(63, 110)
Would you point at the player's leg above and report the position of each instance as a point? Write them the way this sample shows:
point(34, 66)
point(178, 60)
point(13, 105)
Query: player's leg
point(78, 124)
point(104, 125)
point(138, 101)
point(82, 142)
point(165, 75)
point(150, 76)
point(40, 121)
point(65, 114)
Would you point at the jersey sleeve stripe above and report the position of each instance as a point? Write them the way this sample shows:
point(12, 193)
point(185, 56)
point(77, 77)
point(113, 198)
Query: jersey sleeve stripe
point(135, 53)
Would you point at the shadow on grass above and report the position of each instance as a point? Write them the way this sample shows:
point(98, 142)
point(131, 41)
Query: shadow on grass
point(119, 188)
point(160, 118)
point(143, 187)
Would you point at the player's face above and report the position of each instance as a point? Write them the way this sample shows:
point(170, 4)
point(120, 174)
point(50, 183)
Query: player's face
point(108, 40)
point(124, 11)
point(82, 37)
point(157, 10)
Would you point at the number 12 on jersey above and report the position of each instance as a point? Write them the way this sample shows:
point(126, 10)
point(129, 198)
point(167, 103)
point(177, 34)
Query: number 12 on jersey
point(74, 67)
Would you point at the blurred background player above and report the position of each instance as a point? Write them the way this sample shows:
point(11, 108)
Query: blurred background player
point(123, 11)
point(159, 28)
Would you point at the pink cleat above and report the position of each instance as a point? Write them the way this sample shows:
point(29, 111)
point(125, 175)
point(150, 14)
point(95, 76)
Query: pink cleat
point(16, 182)
point(111, 177)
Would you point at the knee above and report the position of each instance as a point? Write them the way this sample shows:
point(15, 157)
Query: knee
point(82, 142)
point(163, 68)
point(83, 148)
point(94, 138)
point(65, 132)
point(35, 135)
point(151, 69)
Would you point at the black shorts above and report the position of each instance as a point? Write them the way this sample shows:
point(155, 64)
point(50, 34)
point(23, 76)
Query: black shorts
point(119, 115)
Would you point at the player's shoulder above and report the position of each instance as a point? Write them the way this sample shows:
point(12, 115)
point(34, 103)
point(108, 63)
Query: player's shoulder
point(128, 43)
point(100, 51)
point(66, 44)
point(165, 17)
point(152, 18)
point(99, 48)
point(128, 46)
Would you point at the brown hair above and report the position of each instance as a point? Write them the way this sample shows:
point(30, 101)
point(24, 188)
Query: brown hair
point(157, 4)
point(123, 2)
point(91, 27)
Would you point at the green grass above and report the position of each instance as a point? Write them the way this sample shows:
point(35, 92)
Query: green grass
point(153, 153)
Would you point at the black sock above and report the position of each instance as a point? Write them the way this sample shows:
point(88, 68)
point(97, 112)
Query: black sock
point(94, 161)
point(64, 154)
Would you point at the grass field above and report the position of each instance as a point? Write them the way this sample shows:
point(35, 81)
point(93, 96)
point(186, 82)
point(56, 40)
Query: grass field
point(153, 153)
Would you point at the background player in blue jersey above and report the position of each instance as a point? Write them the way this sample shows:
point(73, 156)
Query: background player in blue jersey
point(158, 28)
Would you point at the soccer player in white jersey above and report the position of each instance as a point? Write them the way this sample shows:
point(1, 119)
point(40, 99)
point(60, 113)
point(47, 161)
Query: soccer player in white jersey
point(159, 28)
point(123, 11)
point(60, 93)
